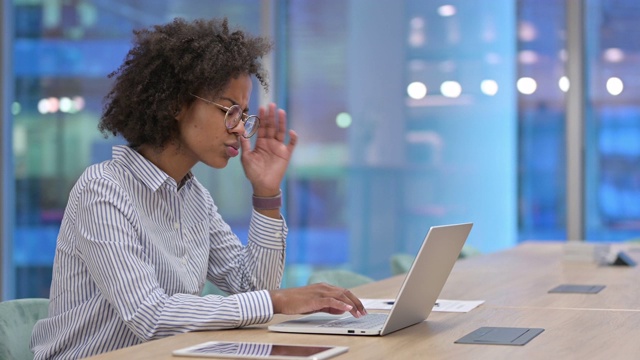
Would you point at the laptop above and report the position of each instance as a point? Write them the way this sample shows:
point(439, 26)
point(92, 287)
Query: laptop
point(415, 300)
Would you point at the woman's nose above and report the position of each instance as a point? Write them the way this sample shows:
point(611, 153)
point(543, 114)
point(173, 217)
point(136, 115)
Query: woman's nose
point(238, 129)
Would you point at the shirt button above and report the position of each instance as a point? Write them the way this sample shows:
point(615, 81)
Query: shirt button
point(183, 261)
point(278, 235)
point(176, 225)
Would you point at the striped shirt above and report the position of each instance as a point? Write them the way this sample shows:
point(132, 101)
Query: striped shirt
point(132, 256)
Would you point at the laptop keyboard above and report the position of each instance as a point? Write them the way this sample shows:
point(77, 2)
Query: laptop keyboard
point(368, 322)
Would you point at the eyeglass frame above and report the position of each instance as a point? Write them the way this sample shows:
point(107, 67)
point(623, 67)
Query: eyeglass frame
point(244, 117)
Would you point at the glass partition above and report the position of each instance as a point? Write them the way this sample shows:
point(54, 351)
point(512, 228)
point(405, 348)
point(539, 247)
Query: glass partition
point(541, 87)
point(62, 53)
point(410, 113)
point(612, 138)
point(378, 162)
point(406, 113)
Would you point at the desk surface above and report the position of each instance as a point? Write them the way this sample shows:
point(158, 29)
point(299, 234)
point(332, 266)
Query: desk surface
point(514, 284)
point(523, 275)
point(569, 334)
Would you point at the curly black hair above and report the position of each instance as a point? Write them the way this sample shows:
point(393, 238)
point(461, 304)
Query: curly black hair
point(166, 64)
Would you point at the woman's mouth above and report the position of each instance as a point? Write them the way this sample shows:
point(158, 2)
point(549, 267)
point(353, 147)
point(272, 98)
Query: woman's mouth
point(232, 151)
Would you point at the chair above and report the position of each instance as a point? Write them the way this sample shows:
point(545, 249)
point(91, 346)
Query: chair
point(468, 251)
point(401, 263)
point(211, 289)
point(17, 318)
point(339, 277)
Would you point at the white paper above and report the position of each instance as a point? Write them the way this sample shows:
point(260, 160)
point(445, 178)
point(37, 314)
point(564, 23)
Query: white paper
point(457, 305)
point(377, 304)
point(441, 305)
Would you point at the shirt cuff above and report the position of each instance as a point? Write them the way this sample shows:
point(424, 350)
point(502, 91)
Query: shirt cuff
point(255, 307)
point(268, 232)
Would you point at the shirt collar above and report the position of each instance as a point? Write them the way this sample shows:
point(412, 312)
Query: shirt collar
point(143, 169)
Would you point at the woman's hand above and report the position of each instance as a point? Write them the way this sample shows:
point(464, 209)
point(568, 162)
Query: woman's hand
point(266, 164)
point(316, 298)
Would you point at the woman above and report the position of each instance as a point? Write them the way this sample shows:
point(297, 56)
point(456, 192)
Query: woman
point(140, 235)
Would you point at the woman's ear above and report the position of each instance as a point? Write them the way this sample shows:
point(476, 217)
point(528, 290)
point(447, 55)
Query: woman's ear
point(180, 112)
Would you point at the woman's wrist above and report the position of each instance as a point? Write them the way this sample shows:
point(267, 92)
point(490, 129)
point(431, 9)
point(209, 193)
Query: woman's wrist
point(267, 202)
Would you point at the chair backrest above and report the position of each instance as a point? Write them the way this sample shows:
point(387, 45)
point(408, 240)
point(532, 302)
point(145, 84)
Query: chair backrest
point(339, 277)
point(211, 289)
point(469, 251)
point(401, 263)
point(17, 318)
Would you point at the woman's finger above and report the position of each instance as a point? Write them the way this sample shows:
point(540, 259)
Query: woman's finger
point(293, 140)
point(270, 123)
point(281, 126)
point(263, 115)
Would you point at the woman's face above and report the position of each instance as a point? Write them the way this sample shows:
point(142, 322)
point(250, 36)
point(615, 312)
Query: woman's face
point(203, 134)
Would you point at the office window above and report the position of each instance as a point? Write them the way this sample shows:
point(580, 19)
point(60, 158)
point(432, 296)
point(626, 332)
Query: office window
point(407, 120)
point(403, 126)
point(411, 114)
point(541, 87)
point(63, 52)
point(611, 123)
point(612, 136)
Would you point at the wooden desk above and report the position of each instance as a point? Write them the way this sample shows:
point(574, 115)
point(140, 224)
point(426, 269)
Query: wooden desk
point(569, 334)
point(523, 275)
point(514, 284)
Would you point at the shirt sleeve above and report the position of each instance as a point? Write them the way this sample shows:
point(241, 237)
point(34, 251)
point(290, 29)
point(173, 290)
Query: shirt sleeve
point(111, 249)
point(235, 268)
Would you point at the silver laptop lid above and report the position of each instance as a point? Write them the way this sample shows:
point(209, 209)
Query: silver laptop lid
point(427, 276)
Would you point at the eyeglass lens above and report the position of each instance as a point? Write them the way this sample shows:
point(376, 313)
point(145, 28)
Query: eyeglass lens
point(232, 119)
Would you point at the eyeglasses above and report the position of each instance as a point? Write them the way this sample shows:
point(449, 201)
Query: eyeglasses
point(233, 116)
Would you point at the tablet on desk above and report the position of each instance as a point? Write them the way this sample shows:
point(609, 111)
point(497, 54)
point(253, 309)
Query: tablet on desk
point(252, 350)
